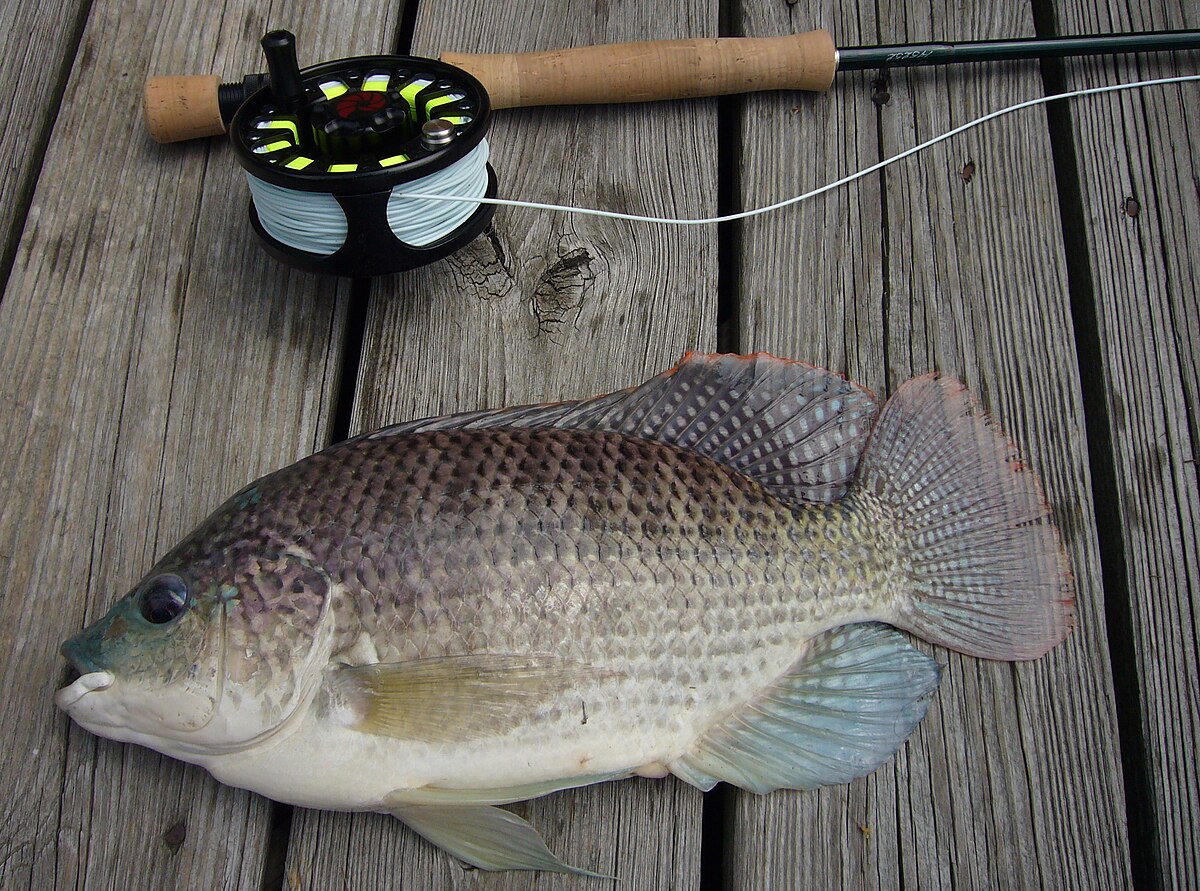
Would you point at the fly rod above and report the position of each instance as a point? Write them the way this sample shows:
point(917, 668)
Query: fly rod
point(186, 107)
point(378, 164)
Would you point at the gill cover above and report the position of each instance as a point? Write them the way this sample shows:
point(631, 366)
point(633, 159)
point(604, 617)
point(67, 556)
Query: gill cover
point(276, 643)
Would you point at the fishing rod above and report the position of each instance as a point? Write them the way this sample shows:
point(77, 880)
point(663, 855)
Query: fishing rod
point(378, 164)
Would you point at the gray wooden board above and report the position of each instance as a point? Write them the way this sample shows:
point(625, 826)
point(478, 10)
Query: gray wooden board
point(547, 308)
point(1139, 162)
point(1013, 779)
point(152, 361)
point(809, 287)
point(37, 45)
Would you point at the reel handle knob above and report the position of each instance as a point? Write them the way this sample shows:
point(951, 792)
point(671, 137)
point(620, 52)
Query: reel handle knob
point(652, 70)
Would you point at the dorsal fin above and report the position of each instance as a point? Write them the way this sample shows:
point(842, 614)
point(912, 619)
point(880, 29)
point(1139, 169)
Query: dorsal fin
point(796, 429)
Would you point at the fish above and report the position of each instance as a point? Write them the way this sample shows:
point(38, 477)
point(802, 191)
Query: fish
point(710, 575)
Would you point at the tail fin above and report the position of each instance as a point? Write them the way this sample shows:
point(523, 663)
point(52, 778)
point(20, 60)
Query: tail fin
point(988, 574)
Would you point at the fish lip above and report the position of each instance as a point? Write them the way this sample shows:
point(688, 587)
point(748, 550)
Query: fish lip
point(82, 686)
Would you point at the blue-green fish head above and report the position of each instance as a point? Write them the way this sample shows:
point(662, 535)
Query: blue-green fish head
point(152, 667)
point(215, 650)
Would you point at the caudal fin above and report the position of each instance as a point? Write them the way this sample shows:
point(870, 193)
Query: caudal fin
point(987, 573)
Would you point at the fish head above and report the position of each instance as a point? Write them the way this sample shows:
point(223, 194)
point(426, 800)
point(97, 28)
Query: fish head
point(151, 666)
point(203, 659)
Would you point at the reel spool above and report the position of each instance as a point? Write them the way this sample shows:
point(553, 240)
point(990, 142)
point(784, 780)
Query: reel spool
point(331, 151)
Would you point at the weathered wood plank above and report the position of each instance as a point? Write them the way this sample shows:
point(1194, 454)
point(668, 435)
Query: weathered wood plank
point(152, 361)
point(37, 47)
point(1139, 162)
point(1030, 742)
point(962, 271)
point(809, 284)
point(548, 307)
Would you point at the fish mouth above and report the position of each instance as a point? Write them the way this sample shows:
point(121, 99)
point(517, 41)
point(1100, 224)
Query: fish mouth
point(82, 686)
point(81, 652)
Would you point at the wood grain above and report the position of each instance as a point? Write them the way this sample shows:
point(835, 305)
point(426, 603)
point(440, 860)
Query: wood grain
point(37, 46)
point(958, 261)
point(548, 307)
point(153, 360)
point(1139, 161)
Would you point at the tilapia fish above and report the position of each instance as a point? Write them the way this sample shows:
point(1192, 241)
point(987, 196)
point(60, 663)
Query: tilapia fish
point(692, 577)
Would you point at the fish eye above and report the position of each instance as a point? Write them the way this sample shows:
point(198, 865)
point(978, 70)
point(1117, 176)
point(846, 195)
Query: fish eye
point(162, 599)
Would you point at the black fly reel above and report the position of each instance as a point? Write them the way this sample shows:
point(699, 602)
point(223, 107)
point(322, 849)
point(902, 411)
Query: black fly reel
point(333, 152)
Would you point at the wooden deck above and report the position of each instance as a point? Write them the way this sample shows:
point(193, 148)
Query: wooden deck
point(153, 359)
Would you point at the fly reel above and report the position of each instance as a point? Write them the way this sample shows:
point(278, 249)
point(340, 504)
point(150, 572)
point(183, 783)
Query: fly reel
point(377, 164)
point(332, 154)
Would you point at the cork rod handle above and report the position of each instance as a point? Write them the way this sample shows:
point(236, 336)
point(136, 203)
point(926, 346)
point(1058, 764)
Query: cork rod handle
point(178, 108)
point(659, 69)
point(185, 107)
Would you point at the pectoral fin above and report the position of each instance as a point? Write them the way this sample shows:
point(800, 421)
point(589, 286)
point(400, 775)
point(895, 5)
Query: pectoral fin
point(449, 698)
point(486, 837)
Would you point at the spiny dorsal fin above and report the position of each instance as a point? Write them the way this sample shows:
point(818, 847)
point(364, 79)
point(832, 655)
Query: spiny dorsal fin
point(449, 698)
point(796, 429)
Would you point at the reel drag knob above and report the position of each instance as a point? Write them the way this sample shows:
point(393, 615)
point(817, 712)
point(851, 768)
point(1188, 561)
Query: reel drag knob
point(362, 120)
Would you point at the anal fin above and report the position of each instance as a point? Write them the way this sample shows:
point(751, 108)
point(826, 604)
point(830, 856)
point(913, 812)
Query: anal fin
point(842, 710)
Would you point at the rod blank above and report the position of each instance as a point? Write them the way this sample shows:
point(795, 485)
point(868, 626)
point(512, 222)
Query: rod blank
point(856, 58)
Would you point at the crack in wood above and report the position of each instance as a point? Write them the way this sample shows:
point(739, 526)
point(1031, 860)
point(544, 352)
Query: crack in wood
point(561, 290)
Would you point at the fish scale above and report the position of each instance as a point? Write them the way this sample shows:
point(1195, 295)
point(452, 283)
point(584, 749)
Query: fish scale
point(571, 542)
